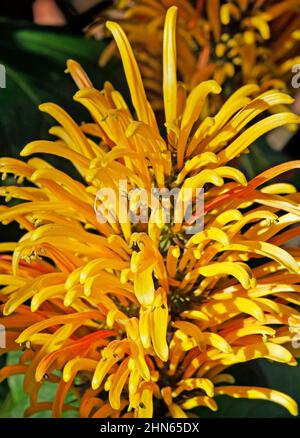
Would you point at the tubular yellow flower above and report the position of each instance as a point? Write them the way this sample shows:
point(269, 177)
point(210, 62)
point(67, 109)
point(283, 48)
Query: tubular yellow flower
point(132, 317)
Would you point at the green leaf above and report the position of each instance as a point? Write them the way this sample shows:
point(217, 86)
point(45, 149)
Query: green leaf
point(3, 385)
point(16, 400)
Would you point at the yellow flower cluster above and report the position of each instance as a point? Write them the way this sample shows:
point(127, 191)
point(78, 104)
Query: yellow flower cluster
point(142, 320)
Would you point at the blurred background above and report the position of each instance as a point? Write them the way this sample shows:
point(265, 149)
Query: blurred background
point(36, 39)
